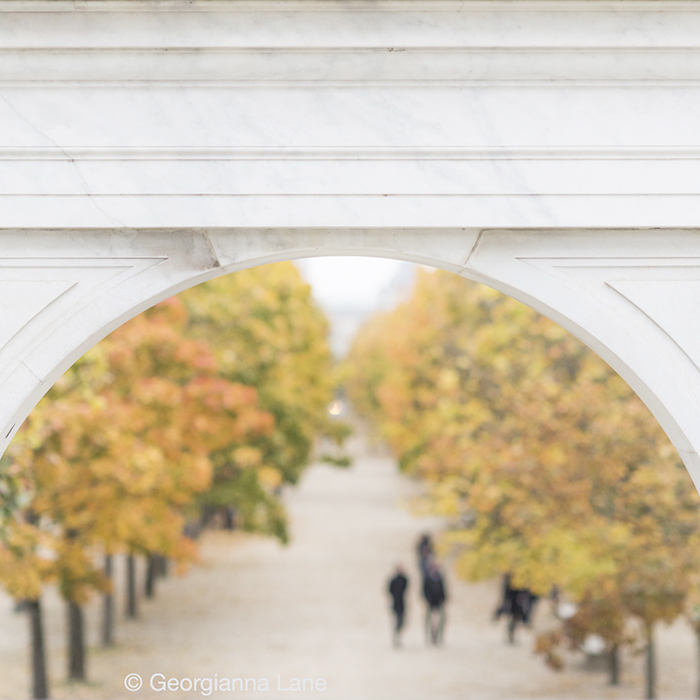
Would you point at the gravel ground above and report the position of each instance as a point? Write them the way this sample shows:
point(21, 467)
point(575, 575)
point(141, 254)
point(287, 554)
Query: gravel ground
point(317, 609)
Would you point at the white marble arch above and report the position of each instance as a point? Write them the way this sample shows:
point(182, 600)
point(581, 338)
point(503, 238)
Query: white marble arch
point(548, 148)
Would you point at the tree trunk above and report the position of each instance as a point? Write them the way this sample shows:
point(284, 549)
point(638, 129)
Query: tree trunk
point(206, 515)
point(131, 608)
point(615, 665)
point(697, 637)
point(76, 643)
point(650, 665)
point(40, 681)
point(108, 607)
point(151, 572)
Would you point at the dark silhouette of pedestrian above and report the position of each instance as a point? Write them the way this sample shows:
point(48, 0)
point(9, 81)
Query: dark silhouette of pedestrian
point(435, 597)
point(397, 591)
point(425, 554)
point(518, 604)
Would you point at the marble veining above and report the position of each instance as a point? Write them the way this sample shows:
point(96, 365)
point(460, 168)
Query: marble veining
point(548, 148)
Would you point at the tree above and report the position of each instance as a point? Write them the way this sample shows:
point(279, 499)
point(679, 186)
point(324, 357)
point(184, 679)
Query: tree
point(548, 464)
point(164, 410)
point(692, 613)
point(24, 568)
point(121, 447)
point(266, 331)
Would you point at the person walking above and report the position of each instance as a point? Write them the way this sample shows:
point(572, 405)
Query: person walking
point(397, 591)
point(425, 552)
point(517, 604)
point(435, 597)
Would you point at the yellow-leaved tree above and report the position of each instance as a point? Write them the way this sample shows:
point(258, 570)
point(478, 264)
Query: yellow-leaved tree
point(549, 466)
point(25, 561)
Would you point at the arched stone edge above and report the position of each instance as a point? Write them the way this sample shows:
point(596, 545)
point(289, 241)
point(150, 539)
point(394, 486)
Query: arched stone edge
point(152, 265)
point(571, 277)
point(566, 275)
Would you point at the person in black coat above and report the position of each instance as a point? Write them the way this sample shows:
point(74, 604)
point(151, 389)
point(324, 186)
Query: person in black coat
point(425, 552)
point(435, 597)
point(517, 604)
point(397, 591)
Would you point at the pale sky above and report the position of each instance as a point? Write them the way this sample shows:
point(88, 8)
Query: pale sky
point(351, 289)
point(348, 281)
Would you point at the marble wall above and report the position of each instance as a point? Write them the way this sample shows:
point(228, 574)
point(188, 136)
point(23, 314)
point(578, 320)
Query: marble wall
point(548, 148)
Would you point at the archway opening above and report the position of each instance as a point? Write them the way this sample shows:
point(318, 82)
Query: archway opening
point(444, 382)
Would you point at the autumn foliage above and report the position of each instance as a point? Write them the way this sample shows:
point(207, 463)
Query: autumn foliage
point(121, 446)
point(214, 398)
point(544, 461)
point(265, 331)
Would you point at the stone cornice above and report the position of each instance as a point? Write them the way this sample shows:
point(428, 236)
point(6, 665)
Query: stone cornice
point(345, 6)
point(308, 114)
point(317, 66)
point(272, 153)
point(326, 44)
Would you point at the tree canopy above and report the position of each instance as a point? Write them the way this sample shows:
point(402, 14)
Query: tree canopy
point(546, 463)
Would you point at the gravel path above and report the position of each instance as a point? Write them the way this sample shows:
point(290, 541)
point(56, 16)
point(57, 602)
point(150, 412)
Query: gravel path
point(317, 609)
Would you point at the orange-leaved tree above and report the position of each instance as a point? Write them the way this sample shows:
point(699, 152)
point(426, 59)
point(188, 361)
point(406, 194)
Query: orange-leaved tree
point(266, 331)
point(121, 447)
